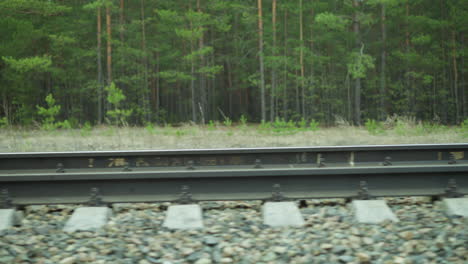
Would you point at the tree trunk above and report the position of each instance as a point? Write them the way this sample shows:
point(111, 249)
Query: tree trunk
point(192, 74)
point(312, 73)
point(6, 104)
point(202, 79)
point(158, 88)
point(229, 80)
point(455, 77)
point(297, 84)
point(285, 67)
point(192, 86)
point(121, 20)
point(273, 68)
point(145, 93)
point(407, 49)
point(349, 97)
point(301, 59)
point(463, 89)
point(357, 85)
point(260, 48)
point(212, 94)
point(109, 46)
point(383, 112)
point(99, 65)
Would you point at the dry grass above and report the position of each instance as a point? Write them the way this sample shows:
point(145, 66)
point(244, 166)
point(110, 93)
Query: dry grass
point(196, 137)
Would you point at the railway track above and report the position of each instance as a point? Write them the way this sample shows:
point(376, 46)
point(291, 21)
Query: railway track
point(233, 174)
point(235, 232)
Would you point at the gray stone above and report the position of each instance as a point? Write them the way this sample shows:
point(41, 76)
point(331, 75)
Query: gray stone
point(270, 256)
point(195, 256)
point(7, 259)
point(339, 249)
point(210, 240)
point(279, 214)
point(68, 260)
point(203, 261)
point(363, 257)
point(456, 206)
point(187, 216)
point(87, 219)
point(372, 211)
point(345, 259)
point(9, 218)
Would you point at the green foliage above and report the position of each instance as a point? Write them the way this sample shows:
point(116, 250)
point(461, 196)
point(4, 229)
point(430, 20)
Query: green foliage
point(302, 123)
point(282, 127)
point(433, 128)
point(110, 131)
point(211, 125)
point(421, 39)
point(243, 121)
point(174, 76)
point(33, 7)
point(52, 45)
point(279, 127)
point(210, 71)
point(264, 126)
point(227, 122)
point(180, 133)
point(49, 113)
point(374, 127)
point(404, 126)
point(150, 128)
point(115, 96)
point(331, 21)
point(464, 128)
point(26, 65)
point(359, 64)
point(86, 129)
point(280, 123)
point(66, 124)
point(4, 122)
point(314, 125)
point(198, 53)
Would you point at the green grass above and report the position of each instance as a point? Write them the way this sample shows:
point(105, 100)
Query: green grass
point(214, 135)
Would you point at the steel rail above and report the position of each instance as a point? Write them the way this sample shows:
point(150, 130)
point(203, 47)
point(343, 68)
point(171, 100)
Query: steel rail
point(428, 153)
point(235, 174)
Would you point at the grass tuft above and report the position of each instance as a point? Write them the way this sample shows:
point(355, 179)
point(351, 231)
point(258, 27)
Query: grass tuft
point(277, 134)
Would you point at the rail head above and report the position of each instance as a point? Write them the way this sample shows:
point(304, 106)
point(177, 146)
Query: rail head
point(262, 150)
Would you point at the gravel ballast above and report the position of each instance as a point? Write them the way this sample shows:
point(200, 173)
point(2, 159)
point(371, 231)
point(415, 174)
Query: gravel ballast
point(234, 233)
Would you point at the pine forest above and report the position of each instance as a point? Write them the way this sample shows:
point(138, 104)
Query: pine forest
point(177, 61)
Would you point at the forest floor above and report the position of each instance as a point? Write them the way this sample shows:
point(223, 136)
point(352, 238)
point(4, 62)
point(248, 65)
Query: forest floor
point(219, 136)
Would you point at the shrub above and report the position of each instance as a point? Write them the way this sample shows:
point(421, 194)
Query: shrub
point(243, 121)
point(227, 122)
point(65, 124)
point(211, 125)
point(49, 113)
point(280, 126)
point(150, 128)
point(433, 128)
point(302, 124)
point(265, 125)
point(401, 128)
point(86, 129)
point(373, 127)
point(180, 133)
point(117, 115)
point(314, 125)
point(464, 127)
point(4, 122)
